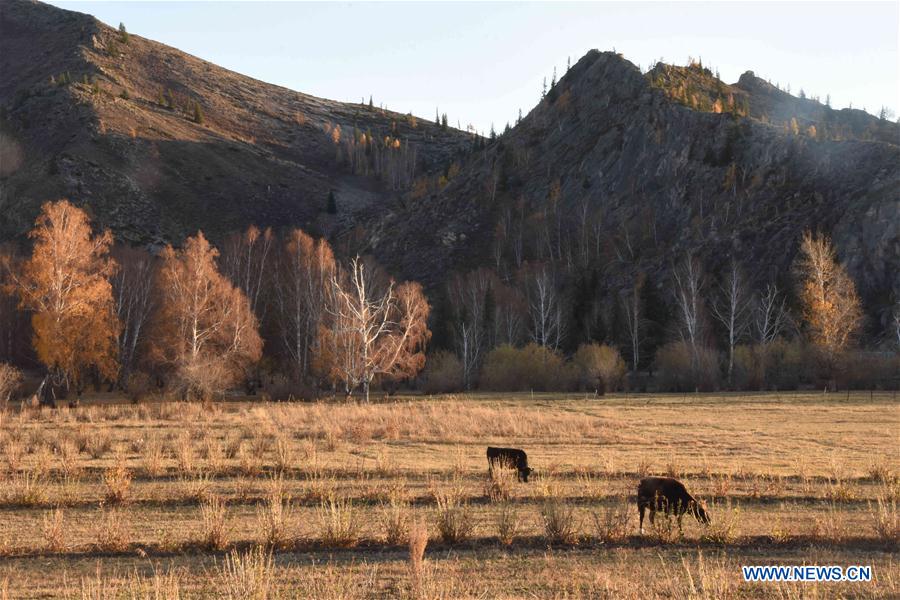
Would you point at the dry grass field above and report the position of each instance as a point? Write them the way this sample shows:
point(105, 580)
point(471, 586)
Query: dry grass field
point(392, 499)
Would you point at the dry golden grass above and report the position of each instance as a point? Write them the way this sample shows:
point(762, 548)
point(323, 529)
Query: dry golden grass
point(123, 500)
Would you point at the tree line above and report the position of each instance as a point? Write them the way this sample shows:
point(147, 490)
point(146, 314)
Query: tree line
point(196, 320)
point(282, 309)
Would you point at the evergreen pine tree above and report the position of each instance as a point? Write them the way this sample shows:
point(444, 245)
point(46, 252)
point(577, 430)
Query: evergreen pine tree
point(544, 89)
point(198, 113)
point(371, 104)
point(332, 203)
point(123, 33)
point(553, 81)
point(519, 120)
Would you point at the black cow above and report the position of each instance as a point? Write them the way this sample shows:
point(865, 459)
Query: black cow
point(512, 458)
point(670, 496)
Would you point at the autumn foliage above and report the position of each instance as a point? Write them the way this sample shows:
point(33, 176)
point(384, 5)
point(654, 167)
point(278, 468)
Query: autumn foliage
point(205, 333)
point(65, 284)
point(372, 332)
point(831, 306)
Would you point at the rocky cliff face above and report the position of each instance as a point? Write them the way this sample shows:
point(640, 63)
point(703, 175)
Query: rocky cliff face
point(611, 174)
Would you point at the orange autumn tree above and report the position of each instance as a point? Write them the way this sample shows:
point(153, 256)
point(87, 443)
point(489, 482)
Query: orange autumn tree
point(372, 332)
point(65, 284)
point(205, 333)
point(831, 306)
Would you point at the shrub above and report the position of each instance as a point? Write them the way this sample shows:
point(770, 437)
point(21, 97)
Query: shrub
point(779, 364)
point(443, 373)
point(612, 524)
point(112, 532)
point(10, 382)
point(599, 367)
point(533, 367)
point(340, 526)
point(215, 534)
point(247, 576)
point(273, 519)
point(560, 526)
point(680, 371)
point(507, 524)
point(418, 540)
point(454, 520)
point(53, 530)
point(118, 482)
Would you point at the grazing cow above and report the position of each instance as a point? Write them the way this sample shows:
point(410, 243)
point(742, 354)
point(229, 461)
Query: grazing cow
point(512, 458)
point(670, 496)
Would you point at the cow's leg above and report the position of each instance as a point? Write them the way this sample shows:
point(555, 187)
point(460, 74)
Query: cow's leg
point(652, 516)
point(641, 509)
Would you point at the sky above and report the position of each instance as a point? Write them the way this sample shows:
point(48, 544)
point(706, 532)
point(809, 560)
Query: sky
point(482, 62)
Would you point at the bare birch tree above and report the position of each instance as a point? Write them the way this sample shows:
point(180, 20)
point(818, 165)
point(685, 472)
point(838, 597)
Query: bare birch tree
point(371, 332)
point(770, 315)
point(731, 309)
point(303, 285)
point(688, 289)
point(132, 288)
point(634, 318)
point(545, 308)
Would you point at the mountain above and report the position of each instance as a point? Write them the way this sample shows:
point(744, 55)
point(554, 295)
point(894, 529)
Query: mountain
point(616, 171)
point(613, 173)
point(113, 125)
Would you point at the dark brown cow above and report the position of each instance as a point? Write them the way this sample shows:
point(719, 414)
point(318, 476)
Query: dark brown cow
point(512, 458)
point(670, 496)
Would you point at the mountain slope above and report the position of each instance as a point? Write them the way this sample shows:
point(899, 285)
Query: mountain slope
point(113, 125)
point(614, 173)
point(609, 175)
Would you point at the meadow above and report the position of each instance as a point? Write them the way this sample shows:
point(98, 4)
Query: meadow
point(392, 499)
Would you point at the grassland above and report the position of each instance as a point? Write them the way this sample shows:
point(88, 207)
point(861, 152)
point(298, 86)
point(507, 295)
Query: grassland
point(250, 500)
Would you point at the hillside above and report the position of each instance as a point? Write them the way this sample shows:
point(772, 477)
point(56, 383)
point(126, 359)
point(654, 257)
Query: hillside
point(610, 175)
point(614, 173)
point(113, 125)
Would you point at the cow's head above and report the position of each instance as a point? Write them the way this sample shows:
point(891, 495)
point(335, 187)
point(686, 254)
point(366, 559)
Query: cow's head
point(525, 473)
point(700, 512)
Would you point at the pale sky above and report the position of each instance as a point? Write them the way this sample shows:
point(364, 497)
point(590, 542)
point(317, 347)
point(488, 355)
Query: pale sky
point(481, 62)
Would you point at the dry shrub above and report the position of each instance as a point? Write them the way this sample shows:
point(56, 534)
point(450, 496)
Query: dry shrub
point(501, 482)
point(454, 519)
point(664, 528)
point(612, 524)
point(247, 575)
point(98, 443)
point(153, 457)
point(533, 367)
point(599, 367)
point(881, 472)
point(184, 453)
point(395, 519)
point(13, 450)
point(53, 530)
point(159, 586)
point(725, 527)
point(443, 373)
point(322, 487)
point(28, 489)
point(197, 488)
point(215, 532)
point(418, 540)
point(681, 371)
point(832, 525)
point(273, 517)
point(560, 524)
point(508, 524)
point(284, 454)
point(69, 459)
point(112, 531)
point(339, 523)
point(10, 381)
point(118, 482)
point(886, 518)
